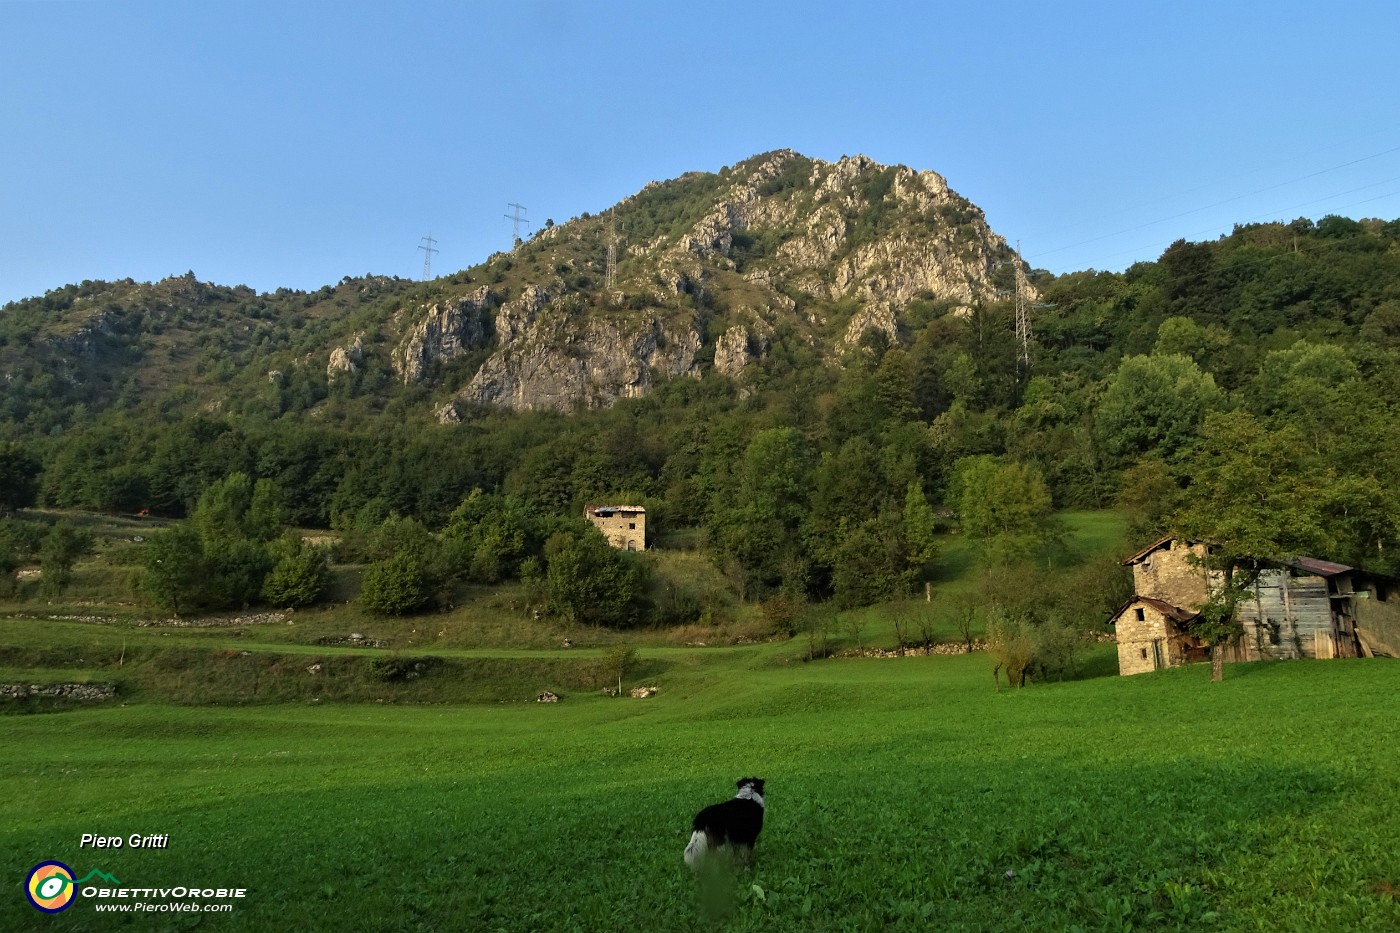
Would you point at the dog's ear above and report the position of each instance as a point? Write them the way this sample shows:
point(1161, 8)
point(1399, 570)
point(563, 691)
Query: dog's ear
point(758, 785)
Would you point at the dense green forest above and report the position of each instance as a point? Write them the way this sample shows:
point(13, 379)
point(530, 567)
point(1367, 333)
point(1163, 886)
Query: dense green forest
point(1245, 389)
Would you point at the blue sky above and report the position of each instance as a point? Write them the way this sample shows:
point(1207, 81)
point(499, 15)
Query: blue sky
point(296, 142)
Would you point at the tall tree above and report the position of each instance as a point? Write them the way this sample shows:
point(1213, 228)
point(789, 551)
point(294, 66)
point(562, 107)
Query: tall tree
point(19, 478)
point(758, 529)
point(1153, 404)
point(58, 552)
point(1006, 507)
point(1254, 494)
point(175, 567)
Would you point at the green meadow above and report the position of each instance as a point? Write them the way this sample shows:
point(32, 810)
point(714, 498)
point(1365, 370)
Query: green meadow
point(902, 794)
point(417, 786)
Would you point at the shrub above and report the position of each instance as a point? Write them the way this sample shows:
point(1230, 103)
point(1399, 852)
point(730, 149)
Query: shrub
point(1011, 640)
point(388, 670)
point(396, 586)
point(299, 577)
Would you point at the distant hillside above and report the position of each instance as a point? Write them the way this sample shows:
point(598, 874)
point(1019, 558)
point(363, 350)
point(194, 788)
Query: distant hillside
point(788, 363)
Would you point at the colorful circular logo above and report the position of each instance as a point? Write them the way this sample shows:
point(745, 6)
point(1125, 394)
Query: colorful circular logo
point(50, 887)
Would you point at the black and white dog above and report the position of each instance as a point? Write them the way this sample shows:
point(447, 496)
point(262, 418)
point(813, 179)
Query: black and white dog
point(733, 825)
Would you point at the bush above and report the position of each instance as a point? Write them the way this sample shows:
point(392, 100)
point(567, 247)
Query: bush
point(590, 582)
point(1058, 648)
point(1025, 649)
point(58, 552)
point(1011, 640)
point(300, 576)
point(389, 670)
point(396, 586)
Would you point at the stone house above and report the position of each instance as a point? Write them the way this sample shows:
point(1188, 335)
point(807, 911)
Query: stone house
point(1154, 634)
point(1298, 608)
point(625, 526)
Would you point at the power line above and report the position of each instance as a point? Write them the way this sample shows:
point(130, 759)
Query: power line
point(1221, 203)
point(1271, 213)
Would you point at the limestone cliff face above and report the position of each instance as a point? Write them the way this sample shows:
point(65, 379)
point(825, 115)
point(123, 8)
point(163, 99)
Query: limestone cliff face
point(446, 331)
point(822, 252)
point(550, 358)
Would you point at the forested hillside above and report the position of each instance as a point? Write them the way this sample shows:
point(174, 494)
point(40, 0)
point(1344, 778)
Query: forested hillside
point(1258, 375)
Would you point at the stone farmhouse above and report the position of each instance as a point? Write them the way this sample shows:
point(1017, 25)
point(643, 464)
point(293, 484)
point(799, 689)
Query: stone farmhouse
point(1300, 608)
point(625, 526)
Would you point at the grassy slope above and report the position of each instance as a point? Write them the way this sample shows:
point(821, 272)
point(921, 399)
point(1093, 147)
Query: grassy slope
point(901, 793)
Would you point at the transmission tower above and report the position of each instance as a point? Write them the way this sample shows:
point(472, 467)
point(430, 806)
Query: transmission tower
point(1023, 317)
point(516, 219)
point(611, 276)
point(426, 245)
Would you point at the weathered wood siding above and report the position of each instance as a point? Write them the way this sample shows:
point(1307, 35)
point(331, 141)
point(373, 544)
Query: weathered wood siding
point(1288, 617)
point(1378, 625)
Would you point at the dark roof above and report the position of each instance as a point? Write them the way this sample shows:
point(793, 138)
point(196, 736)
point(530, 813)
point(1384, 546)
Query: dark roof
point(1175, 613)
point(1165, 539)
point(1322, 568)
point(606, 510)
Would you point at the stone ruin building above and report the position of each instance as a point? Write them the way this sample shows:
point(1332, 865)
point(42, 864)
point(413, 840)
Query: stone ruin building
point(625, 526)
point(1299, 607)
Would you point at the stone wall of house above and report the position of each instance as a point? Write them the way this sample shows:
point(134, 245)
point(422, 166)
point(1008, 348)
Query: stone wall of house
point(1151, 642)
point(625, 530)
point(1142, 641)
point(1168, 574)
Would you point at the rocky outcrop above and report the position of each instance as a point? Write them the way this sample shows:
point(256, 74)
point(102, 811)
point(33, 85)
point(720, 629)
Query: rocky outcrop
point(739, 346)
point(558, 355)
point(446, 331)
point(346, 360)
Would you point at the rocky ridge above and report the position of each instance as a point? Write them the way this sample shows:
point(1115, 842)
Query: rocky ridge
point(833, 250)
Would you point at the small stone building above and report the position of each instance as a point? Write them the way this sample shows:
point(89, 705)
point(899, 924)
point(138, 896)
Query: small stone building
point(625, 526)
point(1174, 572)
point(1297, 608)
point(1153, 634)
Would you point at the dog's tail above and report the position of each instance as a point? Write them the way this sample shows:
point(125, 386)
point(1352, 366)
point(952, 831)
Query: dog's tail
point(695, 851)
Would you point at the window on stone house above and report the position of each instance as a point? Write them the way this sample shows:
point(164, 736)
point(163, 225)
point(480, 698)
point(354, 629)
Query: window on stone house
point(1144, 653)
point(1141, 616)
point(632, 526)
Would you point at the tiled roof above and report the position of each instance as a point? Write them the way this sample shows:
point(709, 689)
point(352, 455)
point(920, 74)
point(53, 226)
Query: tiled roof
point(1165, 539)
point(1175, 613)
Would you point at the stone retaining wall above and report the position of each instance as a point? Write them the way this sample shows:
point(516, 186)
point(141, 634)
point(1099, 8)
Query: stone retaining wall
point(65, 691)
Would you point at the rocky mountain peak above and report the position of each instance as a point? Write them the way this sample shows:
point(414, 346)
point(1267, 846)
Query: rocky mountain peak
point(705, 267)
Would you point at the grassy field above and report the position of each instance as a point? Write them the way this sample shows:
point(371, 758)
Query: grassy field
point(903, 794)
